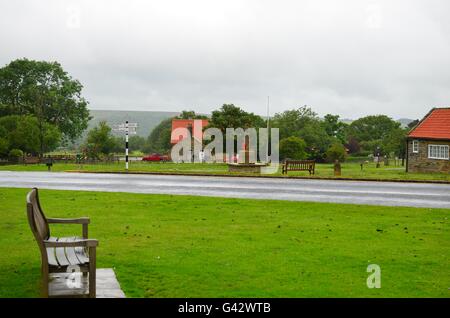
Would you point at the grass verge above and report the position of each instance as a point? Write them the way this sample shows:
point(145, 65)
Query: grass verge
point(185, 246)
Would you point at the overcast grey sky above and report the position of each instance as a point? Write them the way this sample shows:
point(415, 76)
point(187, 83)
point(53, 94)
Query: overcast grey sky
point(349, 57)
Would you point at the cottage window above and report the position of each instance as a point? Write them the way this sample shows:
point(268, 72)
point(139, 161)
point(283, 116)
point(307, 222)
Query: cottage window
point(415, 146)
point(438, 152)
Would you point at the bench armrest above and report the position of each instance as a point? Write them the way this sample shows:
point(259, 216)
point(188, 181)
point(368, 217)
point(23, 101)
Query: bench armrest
point(82, 220)
point(82, 243)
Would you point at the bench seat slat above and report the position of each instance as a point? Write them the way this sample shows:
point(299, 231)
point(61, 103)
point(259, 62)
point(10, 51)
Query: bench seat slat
point(70, 252)
point(79, 251)
point(61, 255)
point(51, 253)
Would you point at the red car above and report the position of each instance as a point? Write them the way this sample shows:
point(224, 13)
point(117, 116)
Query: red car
point(156, 157)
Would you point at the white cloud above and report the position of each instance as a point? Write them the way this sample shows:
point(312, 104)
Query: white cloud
point(351, 57)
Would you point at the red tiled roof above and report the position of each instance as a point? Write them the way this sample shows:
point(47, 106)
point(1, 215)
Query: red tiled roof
point(435, 125)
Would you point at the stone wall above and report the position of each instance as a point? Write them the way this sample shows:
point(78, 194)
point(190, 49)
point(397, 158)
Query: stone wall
point(419, 162)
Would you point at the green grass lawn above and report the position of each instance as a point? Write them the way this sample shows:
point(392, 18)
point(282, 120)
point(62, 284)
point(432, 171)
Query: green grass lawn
point(349, 170)
point(185, 246)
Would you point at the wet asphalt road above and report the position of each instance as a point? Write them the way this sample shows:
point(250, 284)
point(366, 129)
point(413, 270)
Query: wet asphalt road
point(355, 192)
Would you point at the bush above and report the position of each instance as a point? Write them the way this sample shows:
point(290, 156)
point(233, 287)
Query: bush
point(336, 152)
point(292, 148)
point(15, 154)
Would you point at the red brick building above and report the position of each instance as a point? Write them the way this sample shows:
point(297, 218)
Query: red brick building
point(428, 143)
point(195, 126)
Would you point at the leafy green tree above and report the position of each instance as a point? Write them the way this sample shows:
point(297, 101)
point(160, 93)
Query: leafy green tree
point(45, 91)
point(372, 147)
point(23, 132)
point(304, 123)
point(136, 143)
point(51, 138)
point(353, 145)
point(291, 122)
point(190, 114)
point(370, 131)
point(292, 148)
point(100, 142)
point(231, 116)
point(159, 138)
point(118, 144)
point(26, 135)
point(15, 154)
point(395, 142)
point(4, 146)
point(334, 127)
point(336, 152)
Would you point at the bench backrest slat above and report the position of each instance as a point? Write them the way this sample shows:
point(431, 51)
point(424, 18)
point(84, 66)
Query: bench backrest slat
point(38, 222)
point(300, 164)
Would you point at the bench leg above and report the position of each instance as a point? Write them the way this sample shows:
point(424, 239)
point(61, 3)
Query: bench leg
point(92, 273)
point(44, 290)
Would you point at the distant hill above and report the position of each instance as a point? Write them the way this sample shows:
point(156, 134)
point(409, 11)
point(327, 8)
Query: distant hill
point(147, 120)
point(346, 121)
point(405, 121)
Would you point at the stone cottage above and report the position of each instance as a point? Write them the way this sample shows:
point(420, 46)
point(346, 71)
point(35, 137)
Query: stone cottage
point(428, 143)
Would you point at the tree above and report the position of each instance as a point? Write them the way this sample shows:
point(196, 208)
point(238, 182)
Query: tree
point(159, 138)
point(353, 145)
point(292, 148)
point(395, 142)
point(371, 128)
point(23, 132)
point(230, 116)
point(336, 152)
point(15, 154)
point(371, 132)
point(45, 91)
point(4, 146)
point(334, 127)
point(100, 142)
point(136, 143)
point(190, 114)
point(305, 124)
point(290, 122)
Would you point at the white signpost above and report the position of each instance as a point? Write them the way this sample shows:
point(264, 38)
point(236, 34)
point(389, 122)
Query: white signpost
point(122, 128)
point(128, 128)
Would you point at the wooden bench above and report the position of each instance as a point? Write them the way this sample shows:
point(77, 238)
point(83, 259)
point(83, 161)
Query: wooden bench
point(299, 165)
point(58, 254)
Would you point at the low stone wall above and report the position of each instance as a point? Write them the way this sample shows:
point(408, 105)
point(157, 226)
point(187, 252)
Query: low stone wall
point(245, 167)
